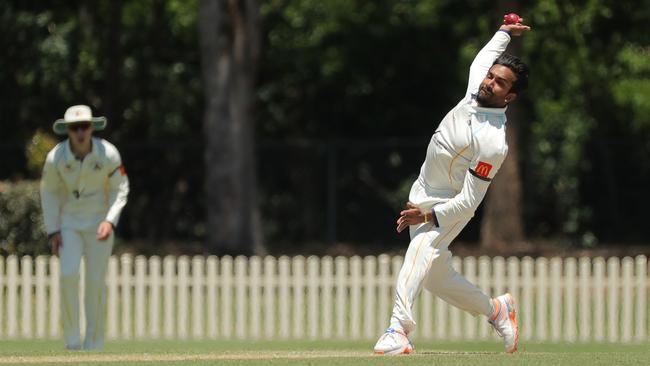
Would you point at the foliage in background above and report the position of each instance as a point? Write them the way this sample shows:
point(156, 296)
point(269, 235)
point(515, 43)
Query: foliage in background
point(631, 84)
point(21, 221)
point(590, 90)
point(360, 69)
point(365, 83)
point(37, 148)
point(349, 93)
point(135, 62)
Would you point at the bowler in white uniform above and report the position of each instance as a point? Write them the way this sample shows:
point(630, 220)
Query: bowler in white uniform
point(463, 156)
point(83, 190)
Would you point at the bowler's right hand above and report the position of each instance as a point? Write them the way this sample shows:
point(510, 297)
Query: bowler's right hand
point(410, 216)
point(56, 243)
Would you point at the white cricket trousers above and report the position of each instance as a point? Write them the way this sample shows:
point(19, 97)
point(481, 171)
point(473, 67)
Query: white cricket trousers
point(75, 244)
point(428, 263)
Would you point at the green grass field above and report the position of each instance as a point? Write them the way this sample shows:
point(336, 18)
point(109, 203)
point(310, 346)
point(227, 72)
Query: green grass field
point(318, 353)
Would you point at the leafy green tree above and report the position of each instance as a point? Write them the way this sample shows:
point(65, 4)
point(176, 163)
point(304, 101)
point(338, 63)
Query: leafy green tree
point(39, 145)
point(347, 94)
point(588, 58)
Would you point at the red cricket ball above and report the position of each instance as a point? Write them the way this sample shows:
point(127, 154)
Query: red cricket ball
point(511, 18)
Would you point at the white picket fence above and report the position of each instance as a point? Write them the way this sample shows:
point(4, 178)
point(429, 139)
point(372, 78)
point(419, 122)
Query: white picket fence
point(568, 299)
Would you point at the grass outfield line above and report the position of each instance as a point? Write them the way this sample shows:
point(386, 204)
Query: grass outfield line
point(318, 353)
point(145, 357)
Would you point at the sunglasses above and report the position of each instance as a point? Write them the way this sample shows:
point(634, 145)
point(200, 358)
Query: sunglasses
point(83, 126)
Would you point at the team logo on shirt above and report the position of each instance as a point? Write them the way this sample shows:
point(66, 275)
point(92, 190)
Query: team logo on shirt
point(97, 166)
point(483, 169)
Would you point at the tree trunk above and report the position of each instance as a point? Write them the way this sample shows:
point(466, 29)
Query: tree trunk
point(113, 52)
point(230, 41)
point(502, 225)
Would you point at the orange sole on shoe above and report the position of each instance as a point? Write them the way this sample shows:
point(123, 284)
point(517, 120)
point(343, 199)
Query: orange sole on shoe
point(513, 319)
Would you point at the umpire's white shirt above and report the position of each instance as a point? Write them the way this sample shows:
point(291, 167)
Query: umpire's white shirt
point(78, 194)
point(466, 150)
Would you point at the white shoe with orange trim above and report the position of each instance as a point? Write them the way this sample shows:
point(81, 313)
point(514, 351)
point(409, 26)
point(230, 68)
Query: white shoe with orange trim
point(393, 342)
point(504, 321)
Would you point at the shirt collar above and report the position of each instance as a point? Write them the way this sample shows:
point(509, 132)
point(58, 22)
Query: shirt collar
point(69, 155)
point(475, 108)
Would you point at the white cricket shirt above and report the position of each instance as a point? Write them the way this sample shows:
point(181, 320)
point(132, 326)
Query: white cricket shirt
point(466, 150)
point(80, 193)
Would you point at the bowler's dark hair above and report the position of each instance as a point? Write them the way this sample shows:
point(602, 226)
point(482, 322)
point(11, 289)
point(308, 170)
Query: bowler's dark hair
point(518, 67)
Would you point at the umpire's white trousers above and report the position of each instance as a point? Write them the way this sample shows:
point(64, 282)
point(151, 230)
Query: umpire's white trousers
point(75, 244)
point(428, 263)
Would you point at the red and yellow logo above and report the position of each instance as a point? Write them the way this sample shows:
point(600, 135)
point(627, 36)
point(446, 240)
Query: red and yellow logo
point(483, 169)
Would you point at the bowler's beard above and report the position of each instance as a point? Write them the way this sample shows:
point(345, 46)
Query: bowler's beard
point(484, 98)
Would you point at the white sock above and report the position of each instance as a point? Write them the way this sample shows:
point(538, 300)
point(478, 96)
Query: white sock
point(395, 324)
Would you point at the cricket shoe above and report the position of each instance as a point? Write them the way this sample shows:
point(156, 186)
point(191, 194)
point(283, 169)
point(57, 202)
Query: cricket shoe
point(393, 342)
point(504, 321)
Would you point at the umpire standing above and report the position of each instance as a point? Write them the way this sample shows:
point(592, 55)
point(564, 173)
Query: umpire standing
point(83, 190)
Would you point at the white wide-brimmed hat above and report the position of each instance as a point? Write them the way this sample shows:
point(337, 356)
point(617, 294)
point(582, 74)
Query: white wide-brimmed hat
point(78, 113)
